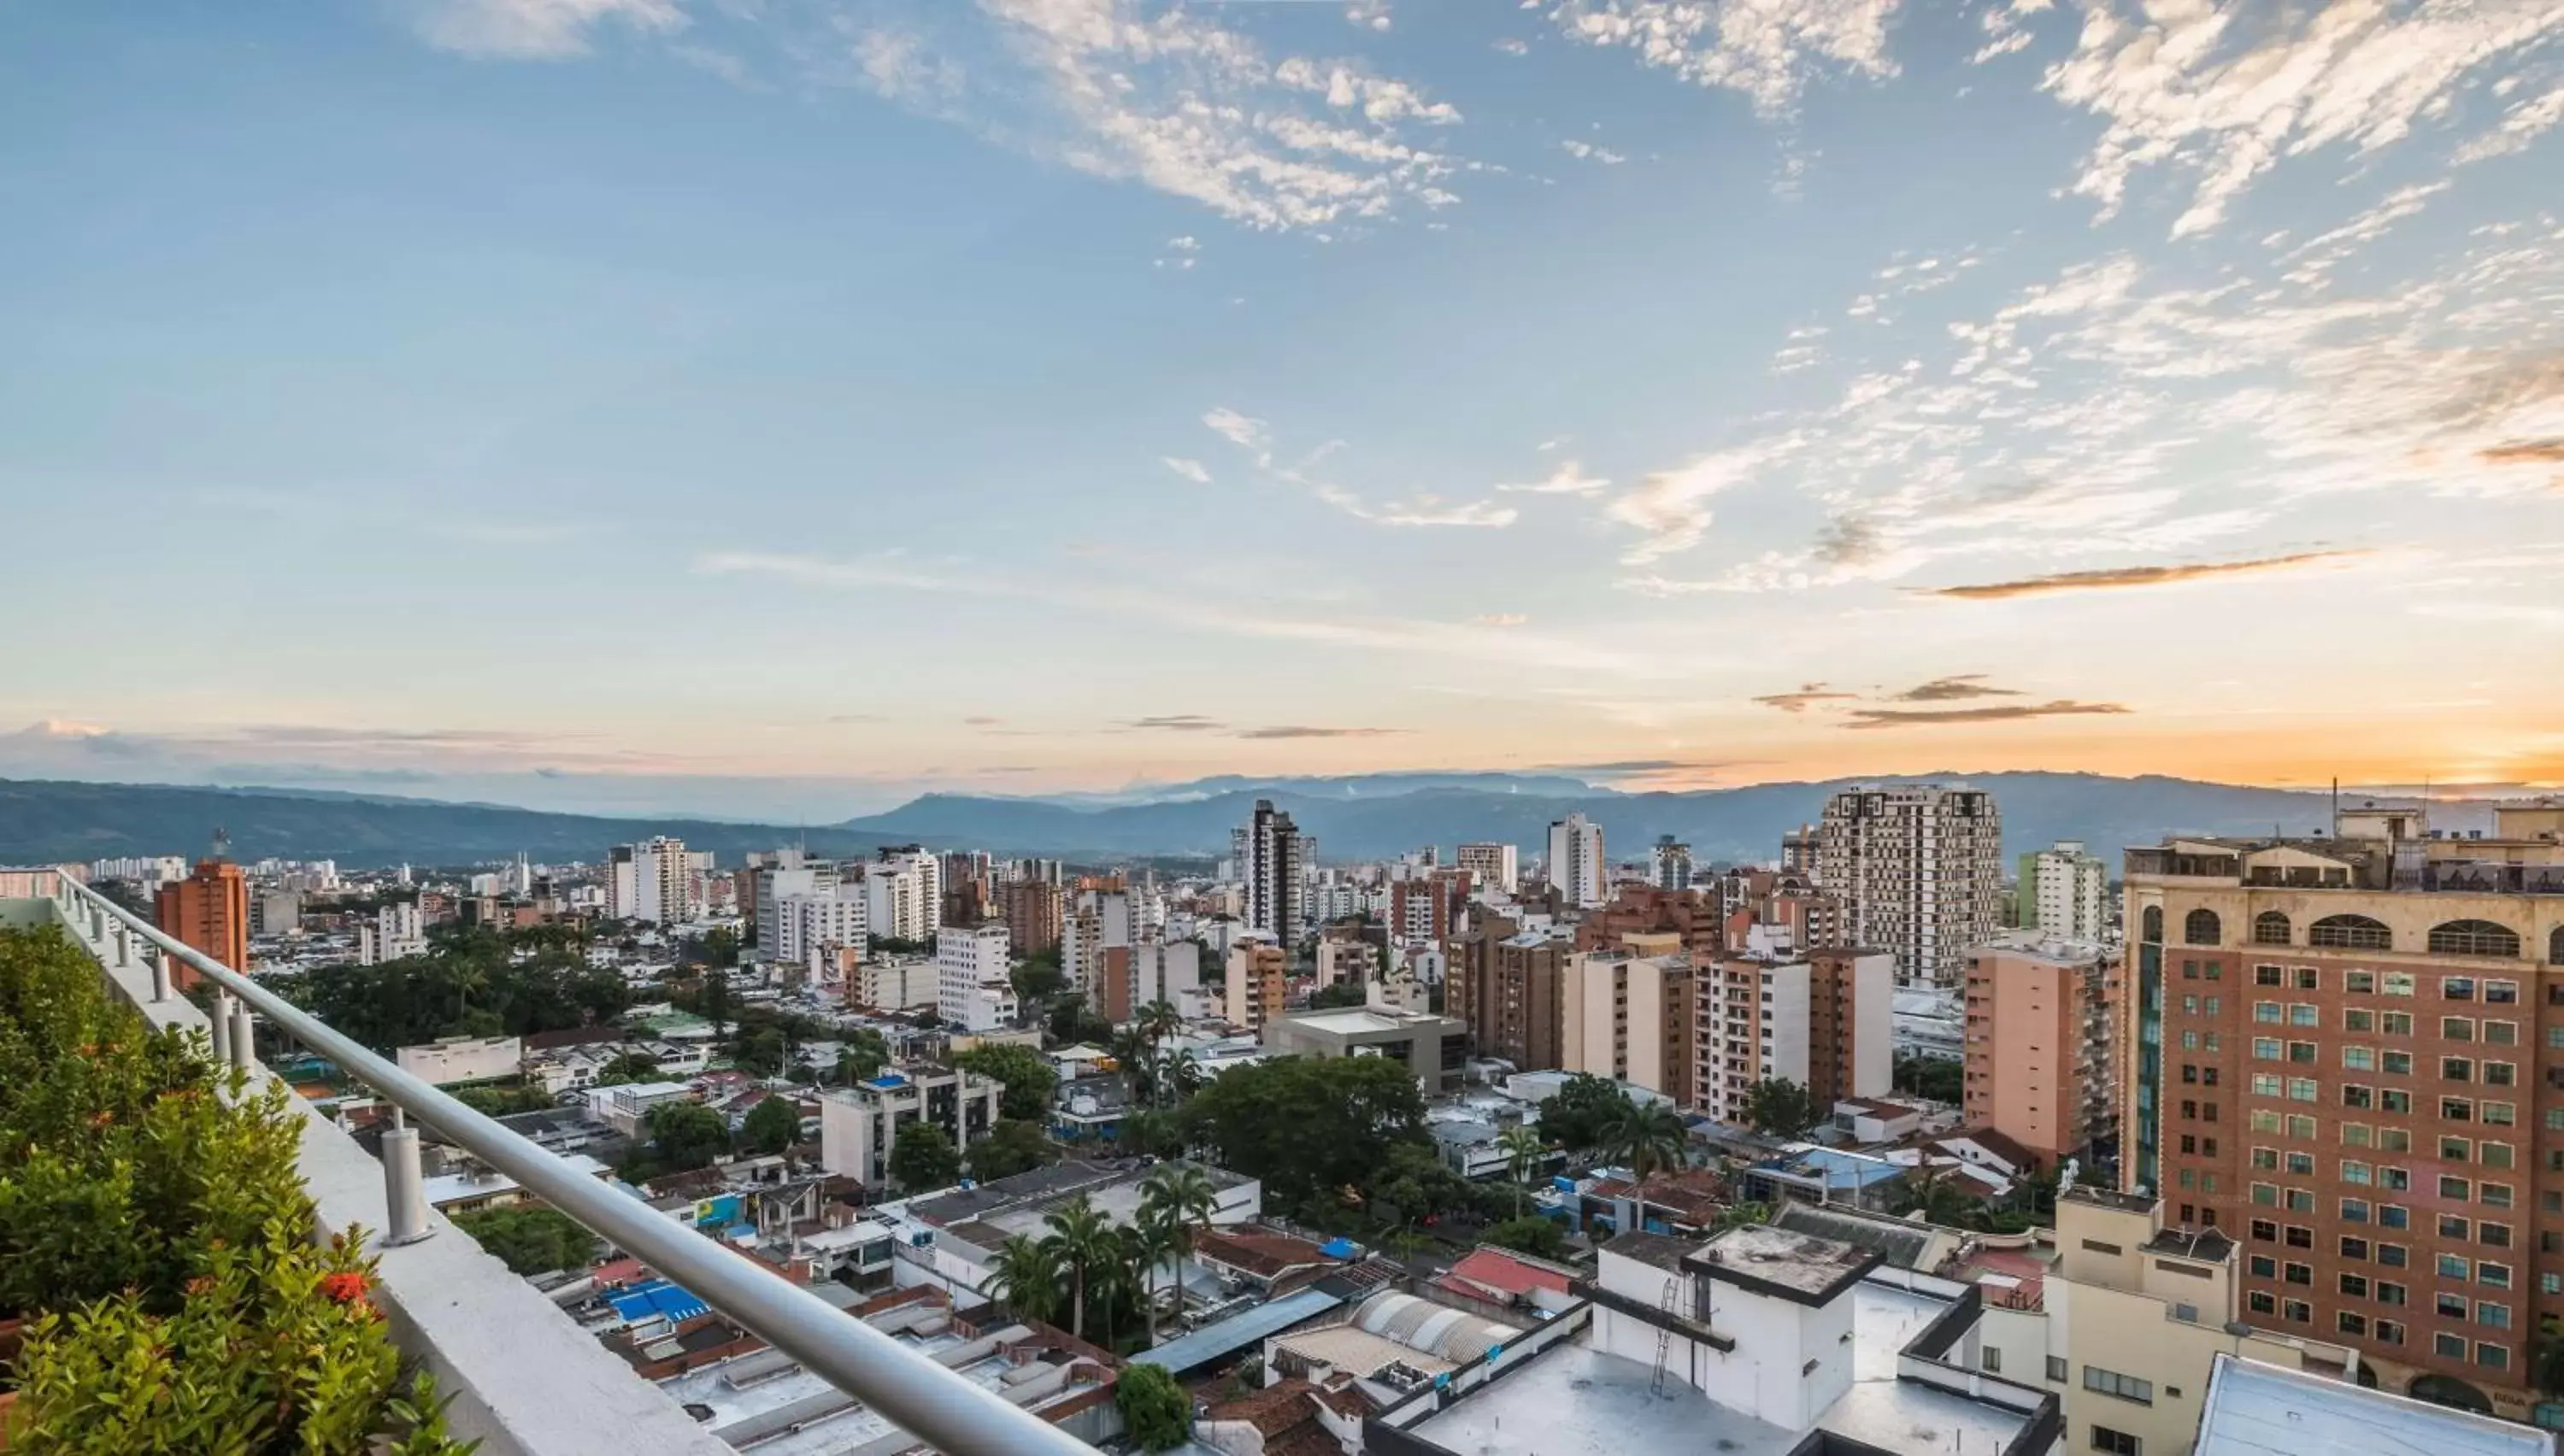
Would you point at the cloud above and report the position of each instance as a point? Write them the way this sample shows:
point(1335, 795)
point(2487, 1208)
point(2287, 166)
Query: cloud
point(1511, 47)
point(1370, 15)
point(1624, 767)
point(2523, 123)
point(1295, 730)
point(2225, 97)
point(981, 721)
point(1422, 511)
point(2119, 577)
point(1807, 694)
point(1240, 430)
point(1569, 479)
point(1767, 50)
point(1185, 244)
point(1588, 151)
point(1191, 469)
point(1179, 722)
point(532, 30)
point(2548, 451)
point(1951, 688)
point(1670, 506)
point(1893, 717)
point(1500, 619)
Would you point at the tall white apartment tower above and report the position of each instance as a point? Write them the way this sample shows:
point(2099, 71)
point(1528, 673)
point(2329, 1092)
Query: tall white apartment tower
point(1271, 858)
point(2063, 891)
point(663, 883)
point(1576, 867)
point(1919, 871)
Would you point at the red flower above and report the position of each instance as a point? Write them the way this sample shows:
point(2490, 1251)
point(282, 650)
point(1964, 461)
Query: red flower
point(346, 1288)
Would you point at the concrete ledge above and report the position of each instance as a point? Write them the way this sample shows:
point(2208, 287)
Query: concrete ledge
point(524, 1380)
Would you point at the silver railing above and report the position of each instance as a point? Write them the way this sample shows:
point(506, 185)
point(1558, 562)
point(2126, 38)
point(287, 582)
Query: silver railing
point(910, 1388)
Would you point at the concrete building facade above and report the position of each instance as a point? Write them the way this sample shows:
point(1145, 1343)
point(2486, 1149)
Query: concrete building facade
point(1576, 868)
point(2042, 1032)
point(1918, 868)
point(2063, 892)
point(1631, 1017)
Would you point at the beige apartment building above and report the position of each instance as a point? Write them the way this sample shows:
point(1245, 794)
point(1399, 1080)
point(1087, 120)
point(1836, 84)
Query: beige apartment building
point(1509, 985)
point(1259, 972)
point(2128, 1322)
point(1630, 1016)
point(2041, 1031)
point(2347, 1053)
point(1918, 868)
point(1823, 1022)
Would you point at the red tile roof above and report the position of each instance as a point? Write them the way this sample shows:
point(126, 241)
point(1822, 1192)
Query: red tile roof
point(1495, 1274)
point(1257, 1251)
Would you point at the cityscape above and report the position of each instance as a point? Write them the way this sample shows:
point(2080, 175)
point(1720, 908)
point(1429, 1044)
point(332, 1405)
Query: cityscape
point(1282, 727)
point(1888, 1141)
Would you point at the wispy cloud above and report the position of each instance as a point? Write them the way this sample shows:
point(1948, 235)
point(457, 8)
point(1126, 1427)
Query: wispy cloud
point(532, 30)
point(1569, 479)
point(1500, 619)
point(1895, 718)
point(2124, 578)
point(1769, 51)
point(2524, 452)
point(1191, 469)
point(1242, 431)
point(1953, 689)
point(1588, 151)
point(1297, 730)
point(1671, 508)
point(1180, 723)
point(1807, 696)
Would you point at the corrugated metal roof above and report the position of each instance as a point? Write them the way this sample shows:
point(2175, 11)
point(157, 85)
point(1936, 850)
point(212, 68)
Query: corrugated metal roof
point(1211, 1342)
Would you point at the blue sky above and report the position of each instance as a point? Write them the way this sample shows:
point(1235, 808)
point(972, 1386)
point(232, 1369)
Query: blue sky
point(772, 407)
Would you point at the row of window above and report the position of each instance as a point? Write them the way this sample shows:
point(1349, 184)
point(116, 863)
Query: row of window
point(2351, 933)
point(2450, 1186)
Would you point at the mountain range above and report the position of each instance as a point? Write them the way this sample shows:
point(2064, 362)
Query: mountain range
point(1352, 817)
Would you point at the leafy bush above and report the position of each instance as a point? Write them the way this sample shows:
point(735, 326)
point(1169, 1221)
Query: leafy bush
point(529, 1240)
point(1542, 1238)
point(1154, 1409)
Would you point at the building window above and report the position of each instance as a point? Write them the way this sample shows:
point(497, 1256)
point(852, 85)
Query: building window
point(2362, 981)
point(2347, 1323)
point(2269, 928)
point(2114, 1443)
point(2490, 1355)
point(2125, 1387)
point(2474, 937)
point(2261, 1301)
point(1991, 1359)
point(2350, 932)
point(2201, 928)
point(2150, 924)
point(2057, 1370)
point(2449, 1347)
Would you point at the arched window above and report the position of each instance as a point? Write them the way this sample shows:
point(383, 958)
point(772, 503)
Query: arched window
point(2473, 938)
point(2269, 928)
point(2154, 924)
point(2350, 932)
point(2555, 946)
point(2201, 928)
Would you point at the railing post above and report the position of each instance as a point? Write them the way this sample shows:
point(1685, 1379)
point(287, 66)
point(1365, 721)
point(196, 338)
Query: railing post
point(244, 1044)
point(222, 1027)
point(404, 1192)
point(159, 973)
point(124, 948)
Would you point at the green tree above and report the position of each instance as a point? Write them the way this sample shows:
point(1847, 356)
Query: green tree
point(771, 1126)
point(1074, 1023)
point(1542, 1238)
point(1650, 1138)
point(1087, 1248)
point(1341, 994)
point(529, 1240)
point(1037, 979)
point(2546, 1357)
point(1154, 1409)
point(1031, 1080)
point(924, 1159)
point(1011, 1146)
point(686, 1134)
point(1023, 1275)
point(1307, 1126)
point(1740, 1215)
point(720, 946)
point(1937, 1079)
point(1177, 1202)
point(1582, 1112)
point(862, 1056)
point(1780, 1108)
point(1159, 1020)
point(1524, 1153)
point(628, 1067)
point(713, 1002)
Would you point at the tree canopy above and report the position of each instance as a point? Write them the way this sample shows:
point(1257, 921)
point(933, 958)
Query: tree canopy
point(1780, 1107)
point(1542, 1238)
point(1010, 1147)
point(1155, 1408)
point(529, 1240)
point(771, 1126)
point(686, 1134)
point(1030, 1081)
point(1582, 1112)
point(469, 982)
point(1307, 1125)
point(1341, 994)
point(924, 1158)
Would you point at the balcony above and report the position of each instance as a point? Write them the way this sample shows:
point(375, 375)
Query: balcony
point(522, 1379)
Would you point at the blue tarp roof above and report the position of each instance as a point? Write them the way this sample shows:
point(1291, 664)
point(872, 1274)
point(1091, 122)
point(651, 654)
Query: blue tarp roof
point(1337, 1248)
point(1839, 1170)
point(657, 1299)
point(1239, 1332)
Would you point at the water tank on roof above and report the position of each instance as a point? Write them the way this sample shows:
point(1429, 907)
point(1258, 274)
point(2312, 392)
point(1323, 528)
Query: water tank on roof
point(1083, 1106)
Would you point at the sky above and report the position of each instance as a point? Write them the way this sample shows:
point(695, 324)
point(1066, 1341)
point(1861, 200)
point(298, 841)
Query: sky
point(777, 408)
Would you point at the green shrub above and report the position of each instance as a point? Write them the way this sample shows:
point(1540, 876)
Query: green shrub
point(1154, 1409)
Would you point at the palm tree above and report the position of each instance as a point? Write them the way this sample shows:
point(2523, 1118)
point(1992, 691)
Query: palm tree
point(1178, 1075)
point(1159, 1020)
point(1650, 1138)
point(467, 976)
point(1177, 1202)
point(1085, 1245)
point(1523, 1153)
point(1025, 1275)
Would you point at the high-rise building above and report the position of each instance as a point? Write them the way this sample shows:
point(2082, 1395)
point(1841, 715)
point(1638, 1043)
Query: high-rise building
point(1424, 911)
point(1823, 1022)
point(771, 884)
point(972, 991)
point(1493, 866)
point(1918, 868)
point(1669, 864)
point(651, 881)
point(2335, 1050)
point(1631, 1017)
point(1509, 985)
point(906, 884)
point(2061, 890)
point(1799, 851)
point(1272, 858)
point(2041, 1031)
point(1258, 974)
point(810, 923)
point(1576, 867)
point(209, 912)
point(1032, 911)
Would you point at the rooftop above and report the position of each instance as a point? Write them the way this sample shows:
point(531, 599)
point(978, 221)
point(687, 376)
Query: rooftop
point(2207, 1245)
point(1781, 1260)
point(2253, 1409)
point(1365, 1022)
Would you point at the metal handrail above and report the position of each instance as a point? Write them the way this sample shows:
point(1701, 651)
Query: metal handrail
point(910, 1388)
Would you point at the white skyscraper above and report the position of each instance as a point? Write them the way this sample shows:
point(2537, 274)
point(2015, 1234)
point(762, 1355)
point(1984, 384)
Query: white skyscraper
point(1575, 865)
point(1669, 864)
point(1271, 858)
point(2065, 891)
point(1919, 871)
point(972, 990)
point(906, 884)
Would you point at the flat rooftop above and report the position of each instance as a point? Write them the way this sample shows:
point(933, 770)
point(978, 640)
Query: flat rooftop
point(1358, 1021)
point(1797, 1264)
point(2255, 1409)
point(1574, 1401)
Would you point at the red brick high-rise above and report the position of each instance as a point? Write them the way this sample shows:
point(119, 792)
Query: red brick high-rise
point(209, 912)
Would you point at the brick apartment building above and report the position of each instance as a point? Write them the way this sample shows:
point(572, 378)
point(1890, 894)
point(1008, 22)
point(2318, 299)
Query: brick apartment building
point(2042, 1032)
point(2347, 1052)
